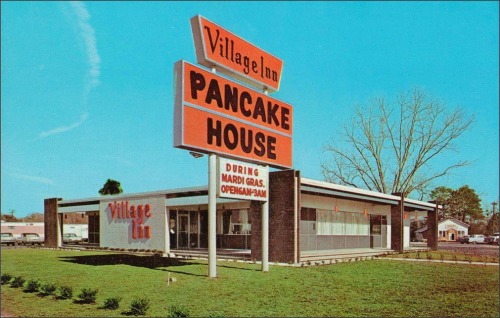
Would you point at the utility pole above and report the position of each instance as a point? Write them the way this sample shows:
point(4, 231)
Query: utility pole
point(12, 211)
point(493, 214)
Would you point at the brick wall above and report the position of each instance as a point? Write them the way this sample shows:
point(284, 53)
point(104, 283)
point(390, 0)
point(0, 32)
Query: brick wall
point(51, 220)
point(432, 232)
point(396, 228)
point(281, 218)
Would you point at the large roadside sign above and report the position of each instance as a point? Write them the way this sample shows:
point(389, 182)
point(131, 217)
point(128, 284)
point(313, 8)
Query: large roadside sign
point(216, 115)
point(236, 57)
point(243, 181)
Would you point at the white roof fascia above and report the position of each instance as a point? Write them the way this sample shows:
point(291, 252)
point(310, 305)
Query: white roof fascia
point(134, 195)
point(368, 193)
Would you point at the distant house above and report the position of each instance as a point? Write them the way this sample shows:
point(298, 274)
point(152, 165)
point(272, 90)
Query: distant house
point(448, 230)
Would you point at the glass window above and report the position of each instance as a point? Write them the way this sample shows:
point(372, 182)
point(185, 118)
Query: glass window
point(330, 222)
point(234, 222)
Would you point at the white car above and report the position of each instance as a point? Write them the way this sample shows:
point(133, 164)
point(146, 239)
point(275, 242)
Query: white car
point(476, 238)
point(72, 238)
point(30, 238)
point(8, 239)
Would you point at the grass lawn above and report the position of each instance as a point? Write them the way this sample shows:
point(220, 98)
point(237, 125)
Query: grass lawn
point(365, 288)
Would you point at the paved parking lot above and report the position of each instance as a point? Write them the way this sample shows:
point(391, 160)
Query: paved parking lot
point(475, 249)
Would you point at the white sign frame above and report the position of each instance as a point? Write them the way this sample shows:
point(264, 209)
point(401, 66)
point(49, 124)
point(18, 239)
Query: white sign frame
point(242, 180)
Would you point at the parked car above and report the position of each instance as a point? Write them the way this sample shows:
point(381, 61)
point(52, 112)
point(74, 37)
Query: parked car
point(492, 239)
point(30, 239)
point(8, 239)
point(476, 238)
point(463, 239)
point(72, 238)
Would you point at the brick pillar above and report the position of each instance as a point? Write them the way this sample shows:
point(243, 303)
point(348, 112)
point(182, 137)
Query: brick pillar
point(397, 225)
point(432, 227)
point(255, 243)
point(282, 216)
point(53, 223)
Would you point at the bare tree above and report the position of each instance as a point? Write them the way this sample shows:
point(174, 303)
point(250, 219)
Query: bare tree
point(390, 148)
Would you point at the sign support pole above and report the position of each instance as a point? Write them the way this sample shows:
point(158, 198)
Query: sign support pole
point(212, 215)
point(265, 223)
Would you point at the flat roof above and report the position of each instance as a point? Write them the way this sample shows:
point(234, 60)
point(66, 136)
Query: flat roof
point(310, 186)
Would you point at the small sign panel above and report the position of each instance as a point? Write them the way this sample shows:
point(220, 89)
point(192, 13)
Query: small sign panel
point(238, 180)
point(216, 115)
point(237, 57)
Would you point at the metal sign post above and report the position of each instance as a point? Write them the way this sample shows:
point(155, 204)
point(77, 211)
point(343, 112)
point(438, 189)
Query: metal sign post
point(212, 215)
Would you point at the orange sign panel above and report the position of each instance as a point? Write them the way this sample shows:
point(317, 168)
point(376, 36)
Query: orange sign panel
point(215, 115)
point(216, 46)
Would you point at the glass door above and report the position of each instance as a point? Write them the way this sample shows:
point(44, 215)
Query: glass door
point(183, 232)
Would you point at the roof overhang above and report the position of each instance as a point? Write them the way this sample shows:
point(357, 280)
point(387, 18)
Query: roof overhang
point(339, 191)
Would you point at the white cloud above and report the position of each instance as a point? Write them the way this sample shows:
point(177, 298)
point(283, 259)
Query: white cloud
point(88, 35)
point(62, 129)
point(31, 178)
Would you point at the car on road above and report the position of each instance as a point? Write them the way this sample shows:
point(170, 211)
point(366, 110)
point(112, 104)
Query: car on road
point(8, 239)
point(476, 239)
point(72, 238)
point(463, 239)
point(30, 239)
point(492, 239)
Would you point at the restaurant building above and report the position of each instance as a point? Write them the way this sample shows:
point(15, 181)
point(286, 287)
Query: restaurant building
point(307, 218)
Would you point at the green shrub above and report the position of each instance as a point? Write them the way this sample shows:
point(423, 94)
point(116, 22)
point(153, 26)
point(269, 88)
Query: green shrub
point(65, 292)
point(177, 311)
point(32, 286)
point(87, 296)
point(112, 303)
point(48, 289)
point(6, 278)
point(139, 307)
point(17, 282)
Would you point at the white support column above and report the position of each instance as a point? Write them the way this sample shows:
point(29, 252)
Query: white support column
point(167, 227)
point(212, 216)
point(265, 223)
point(59, 229)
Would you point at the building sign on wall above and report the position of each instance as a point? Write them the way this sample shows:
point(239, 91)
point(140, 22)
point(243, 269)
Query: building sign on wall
point(135, 214)
point(238, 180)
point(237, 57)
point(216, 115)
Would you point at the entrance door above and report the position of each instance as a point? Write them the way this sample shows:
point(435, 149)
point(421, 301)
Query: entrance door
point(183, 232)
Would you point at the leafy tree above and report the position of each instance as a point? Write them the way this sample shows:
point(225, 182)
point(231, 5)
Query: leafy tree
point(462, 204)
point(391, 147)
point(111, 187)
point(465, 203)
point(442, 196)
point(34, 217)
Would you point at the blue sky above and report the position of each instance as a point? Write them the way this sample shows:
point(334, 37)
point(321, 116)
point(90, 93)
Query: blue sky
point(87, 87)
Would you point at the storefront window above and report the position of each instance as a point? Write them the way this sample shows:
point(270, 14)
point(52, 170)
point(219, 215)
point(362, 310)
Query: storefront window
point(342, 223)
point(234, 222)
